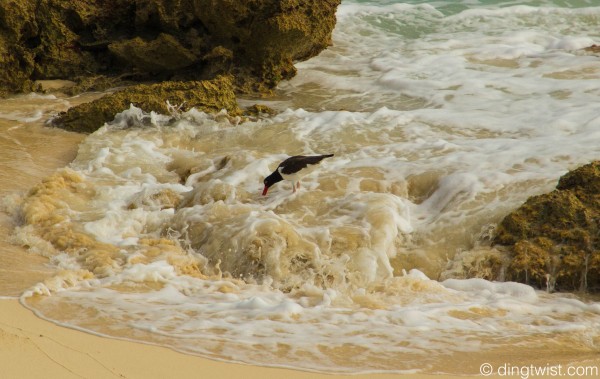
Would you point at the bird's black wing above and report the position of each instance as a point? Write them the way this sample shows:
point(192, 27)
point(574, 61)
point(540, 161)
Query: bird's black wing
point(298, 162)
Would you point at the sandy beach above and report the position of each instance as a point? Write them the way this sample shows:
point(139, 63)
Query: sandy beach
point(32, 348)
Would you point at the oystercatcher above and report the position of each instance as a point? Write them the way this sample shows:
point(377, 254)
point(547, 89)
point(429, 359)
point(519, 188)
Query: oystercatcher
point(293, 169)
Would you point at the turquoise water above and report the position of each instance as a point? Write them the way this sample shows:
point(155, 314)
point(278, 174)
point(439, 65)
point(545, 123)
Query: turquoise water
point(452, 7)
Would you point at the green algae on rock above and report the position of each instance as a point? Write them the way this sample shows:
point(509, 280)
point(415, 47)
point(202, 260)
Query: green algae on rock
point(553, 240)
point(207, 95)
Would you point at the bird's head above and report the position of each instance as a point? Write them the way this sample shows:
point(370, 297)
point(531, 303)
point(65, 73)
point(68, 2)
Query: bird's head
point(270, 180)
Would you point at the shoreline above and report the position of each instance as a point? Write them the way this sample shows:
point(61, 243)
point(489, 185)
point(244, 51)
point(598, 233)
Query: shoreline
point(31, 348)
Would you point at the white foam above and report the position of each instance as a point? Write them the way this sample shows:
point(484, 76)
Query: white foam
point(159, 271)
point(493, 289)
point(441, 121)
point(185, 312)
point(27, 118)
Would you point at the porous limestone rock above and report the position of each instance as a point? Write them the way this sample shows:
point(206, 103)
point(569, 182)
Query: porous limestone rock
point(553, 240)
point(207, 95)
point(256, 41)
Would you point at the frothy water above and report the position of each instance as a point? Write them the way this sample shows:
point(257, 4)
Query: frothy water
point(443, 117)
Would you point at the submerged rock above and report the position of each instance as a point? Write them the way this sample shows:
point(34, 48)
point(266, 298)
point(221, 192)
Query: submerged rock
point(553, 240)
point(207, 95)
point(594, 49)
point(256, 41)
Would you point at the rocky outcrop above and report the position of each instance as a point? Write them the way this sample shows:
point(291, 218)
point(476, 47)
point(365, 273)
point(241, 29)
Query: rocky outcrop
point(262, 39)
point(17, 29)
point(255, 41)
point(553, 240)
point(208, 95)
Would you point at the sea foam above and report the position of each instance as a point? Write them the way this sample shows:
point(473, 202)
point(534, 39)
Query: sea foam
point(442, 119)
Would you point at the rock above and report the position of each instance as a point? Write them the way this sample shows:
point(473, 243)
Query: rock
point(56, 49)
point(594, 49)
point(266, 37)
point(256, 41)
point(93, 83)
point(17, 29)
point(553, 239)
point(208, 95)
point(259, 110)
point(46, 39)
point(161, 54)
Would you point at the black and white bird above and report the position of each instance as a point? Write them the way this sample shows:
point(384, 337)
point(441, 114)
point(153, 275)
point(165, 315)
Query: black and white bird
point(293, 169)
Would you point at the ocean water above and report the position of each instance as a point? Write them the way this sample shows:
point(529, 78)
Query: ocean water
point(443, 117)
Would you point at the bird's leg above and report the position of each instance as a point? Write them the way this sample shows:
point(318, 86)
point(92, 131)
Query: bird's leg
point(298, 184)
point(293, 187)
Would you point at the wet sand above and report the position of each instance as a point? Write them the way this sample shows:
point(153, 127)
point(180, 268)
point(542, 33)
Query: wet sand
point(33, 348)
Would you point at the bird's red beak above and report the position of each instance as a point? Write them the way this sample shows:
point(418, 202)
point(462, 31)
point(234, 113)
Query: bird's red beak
point(265, 190)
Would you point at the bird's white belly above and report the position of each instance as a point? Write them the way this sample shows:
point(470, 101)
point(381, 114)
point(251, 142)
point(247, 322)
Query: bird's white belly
point(295, 177)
